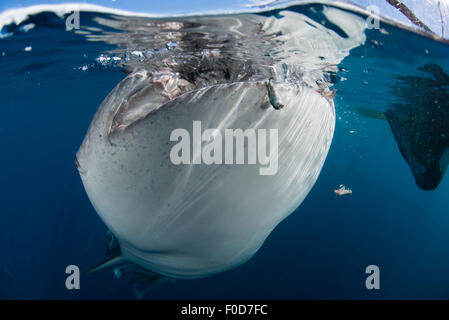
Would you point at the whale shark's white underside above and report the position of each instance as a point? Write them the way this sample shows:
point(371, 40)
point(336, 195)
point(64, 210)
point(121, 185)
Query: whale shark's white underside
point(192, 221)
point(195, 220)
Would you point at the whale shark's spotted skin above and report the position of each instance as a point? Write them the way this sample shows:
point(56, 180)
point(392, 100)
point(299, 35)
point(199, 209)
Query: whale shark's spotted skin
point(420, 124)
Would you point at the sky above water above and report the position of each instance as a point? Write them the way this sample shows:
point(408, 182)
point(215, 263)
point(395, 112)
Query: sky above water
point(157, 7)
point(434, 13)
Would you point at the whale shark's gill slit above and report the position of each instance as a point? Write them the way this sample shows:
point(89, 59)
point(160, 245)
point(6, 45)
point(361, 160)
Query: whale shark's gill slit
point(77, 164)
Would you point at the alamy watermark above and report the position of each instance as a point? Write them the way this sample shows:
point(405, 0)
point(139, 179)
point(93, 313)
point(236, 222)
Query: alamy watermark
point(72, 282)
point(73, 20)
point(373, 20)
point(211, 147)
point(373, 280)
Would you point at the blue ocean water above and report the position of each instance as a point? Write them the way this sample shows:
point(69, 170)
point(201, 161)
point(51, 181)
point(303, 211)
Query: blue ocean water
point(320, 251)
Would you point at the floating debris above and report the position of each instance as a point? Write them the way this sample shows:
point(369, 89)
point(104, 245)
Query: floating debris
point(342, 191)
point(28, 49)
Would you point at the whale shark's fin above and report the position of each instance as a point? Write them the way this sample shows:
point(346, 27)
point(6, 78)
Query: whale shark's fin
point(142, 280)
point(153, 285)
point(110, 262)
point(370, 113)
point(113, 254)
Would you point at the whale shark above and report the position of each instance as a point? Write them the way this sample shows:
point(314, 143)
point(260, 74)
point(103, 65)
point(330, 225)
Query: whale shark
point(248, 73)
point(419, 121)
point(192, 221)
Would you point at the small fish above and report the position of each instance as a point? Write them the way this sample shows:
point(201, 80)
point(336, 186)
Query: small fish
point(329, 94)
point(274, 100)
point(342, 191)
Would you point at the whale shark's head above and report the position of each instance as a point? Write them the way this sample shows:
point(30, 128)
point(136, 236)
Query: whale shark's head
point(190, 220)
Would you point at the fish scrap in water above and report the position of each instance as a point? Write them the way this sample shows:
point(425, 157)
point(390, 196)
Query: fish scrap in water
point(342, 191)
